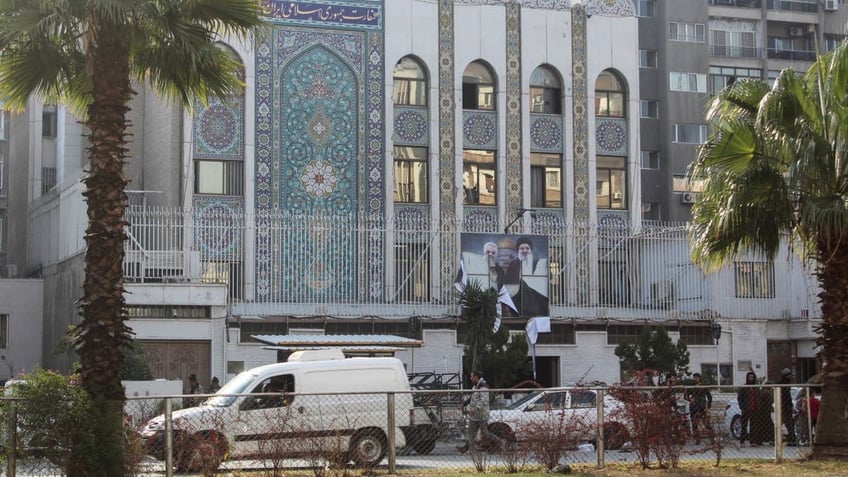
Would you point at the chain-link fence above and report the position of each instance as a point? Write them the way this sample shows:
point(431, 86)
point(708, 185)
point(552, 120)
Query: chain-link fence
point(538, 429)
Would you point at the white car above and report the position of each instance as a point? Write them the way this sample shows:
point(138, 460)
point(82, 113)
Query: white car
point(568, 410)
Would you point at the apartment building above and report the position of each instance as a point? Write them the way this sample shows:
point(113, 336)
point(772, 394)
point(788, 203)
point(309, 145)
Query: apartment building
point(691, 49)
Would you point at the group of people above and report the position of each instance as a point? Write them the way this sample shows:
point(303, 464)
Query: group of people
point(194, 388)
point(755, 405)
point(699, 398)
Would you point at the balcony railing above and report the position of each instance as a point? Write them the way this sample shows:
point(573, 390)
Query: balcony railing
point(735, 51)
point(796, 55)
point(804, 6)
point(737, 3)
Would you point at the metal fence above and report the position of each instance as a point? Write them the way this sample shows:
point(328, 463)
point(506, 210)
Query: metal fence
point(527, 430)
point(273, 261)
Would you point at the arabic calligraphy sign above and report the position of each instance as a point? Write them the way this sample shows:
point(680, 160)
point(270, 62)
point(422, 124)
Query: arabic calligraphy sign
point(363, 15)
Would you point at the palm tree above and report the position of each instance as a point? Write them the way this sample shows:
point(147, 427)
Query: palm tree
point(477, 318)
point(776, 162)
point(86, 54)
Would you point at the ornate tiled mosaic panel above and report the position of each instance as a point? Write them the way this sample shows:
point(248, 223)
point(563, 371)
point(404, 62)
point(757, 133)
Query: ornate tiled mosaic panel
point(219, 129)
point(410, 220)
point(479, 129)
point(547, 4)
point(319, 141)
point(546, 133)
point(447, 144)
point(411, 126)
point(611, 136)
point(618, 8)
point(580, 119)
point(480, 219)
point(218, 235)
point(513, 105)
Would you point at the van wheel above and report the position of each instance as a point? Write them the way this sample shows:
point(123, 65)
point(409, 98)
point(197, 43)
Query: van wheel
point(200, 453)
point(368, 448)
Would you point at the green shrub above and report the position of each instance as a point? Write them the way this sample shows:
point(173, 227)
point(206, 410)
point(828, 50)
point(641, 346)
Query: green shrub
point(57, 419)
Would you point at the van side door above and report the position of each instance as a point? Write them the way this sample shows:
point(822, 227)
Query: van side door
point(268, 420)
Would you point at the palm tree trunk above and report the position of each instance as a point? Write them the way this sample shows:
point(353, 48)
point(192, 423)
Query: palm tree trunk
point(831, 437)
point(103, 335)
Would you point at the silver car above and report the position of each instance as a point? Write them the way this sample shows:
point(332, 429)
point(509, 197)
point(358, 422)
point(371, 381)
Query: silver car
point(571, 410)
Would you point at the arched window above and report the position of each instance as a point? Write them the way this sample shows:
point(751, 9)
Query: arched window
point(478, 87)
point(609, 96)
point(545, 92)
point(410, 83)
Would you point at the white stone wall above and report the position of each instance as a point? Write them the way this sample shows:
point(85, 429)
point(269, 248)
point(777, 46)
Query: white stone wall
point(21, 300)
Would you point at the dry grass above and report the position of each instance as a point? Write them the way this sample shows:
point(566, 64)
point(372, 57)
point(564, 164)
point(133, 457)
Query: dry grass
point(733, 468)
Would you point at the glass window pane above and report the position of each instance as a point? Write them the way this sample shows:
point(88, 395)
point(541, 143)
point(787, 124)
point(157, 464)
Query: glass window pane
point(478, 177)
point(410, 174)
point(210, 177)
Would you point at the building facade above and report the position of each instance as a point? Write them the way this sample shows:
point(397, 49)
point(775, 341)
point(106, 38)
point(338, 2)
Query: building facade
point(691, 50)
point(336, 193)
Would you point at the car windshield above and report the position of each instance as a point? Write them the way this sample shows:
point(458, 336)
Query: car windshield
point(521, 403)
point(237, 385)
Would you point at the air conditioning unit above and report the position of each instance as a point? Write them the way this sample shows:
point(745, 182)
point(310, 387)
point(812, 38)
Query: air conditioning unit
point(797, 31)
point(831, 5)
point(688, 197)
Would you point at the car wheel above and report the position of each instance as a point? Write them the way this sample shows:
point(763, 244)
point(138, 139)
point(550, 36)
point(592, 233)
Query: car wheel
point(736, 427)
point(502, 432)
point(368, 448)
point(615, 435)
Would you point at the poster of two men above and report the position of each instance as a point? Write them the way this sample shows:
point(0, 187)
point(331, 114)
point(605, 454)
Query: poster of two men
point(518, 263)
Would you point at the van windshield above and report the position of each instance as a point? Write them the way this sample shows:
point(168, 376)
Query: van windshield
point(237, 385)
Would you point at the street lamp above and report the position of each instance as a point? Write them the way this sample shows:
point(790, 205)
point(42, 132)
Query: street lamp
point(518, 214)
point(716, 328)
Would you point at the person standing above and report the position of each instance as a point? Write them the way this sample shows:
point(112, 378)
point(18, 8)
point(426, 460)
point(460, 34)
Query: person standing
point(193, 388)
point(746, 397)
point(807, 415)
point(477, 408)
point(787, 407)
point(700, 400)
point(214, 386)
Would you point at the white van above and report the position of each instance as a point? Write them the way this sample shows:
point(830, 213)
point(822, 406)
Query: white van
point(283, 421)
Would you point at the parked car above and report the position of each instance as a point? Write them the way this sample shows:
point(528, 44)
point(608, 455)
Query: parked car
point(574, 408)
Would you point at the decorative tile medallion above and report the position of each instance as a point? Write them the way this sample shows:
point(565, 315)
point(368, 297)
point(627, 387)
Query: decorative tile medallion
point(219, 129)
point(611, 136)
point(545, 133)
point(217, 235)
point(411, 126)
point(480, 129)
